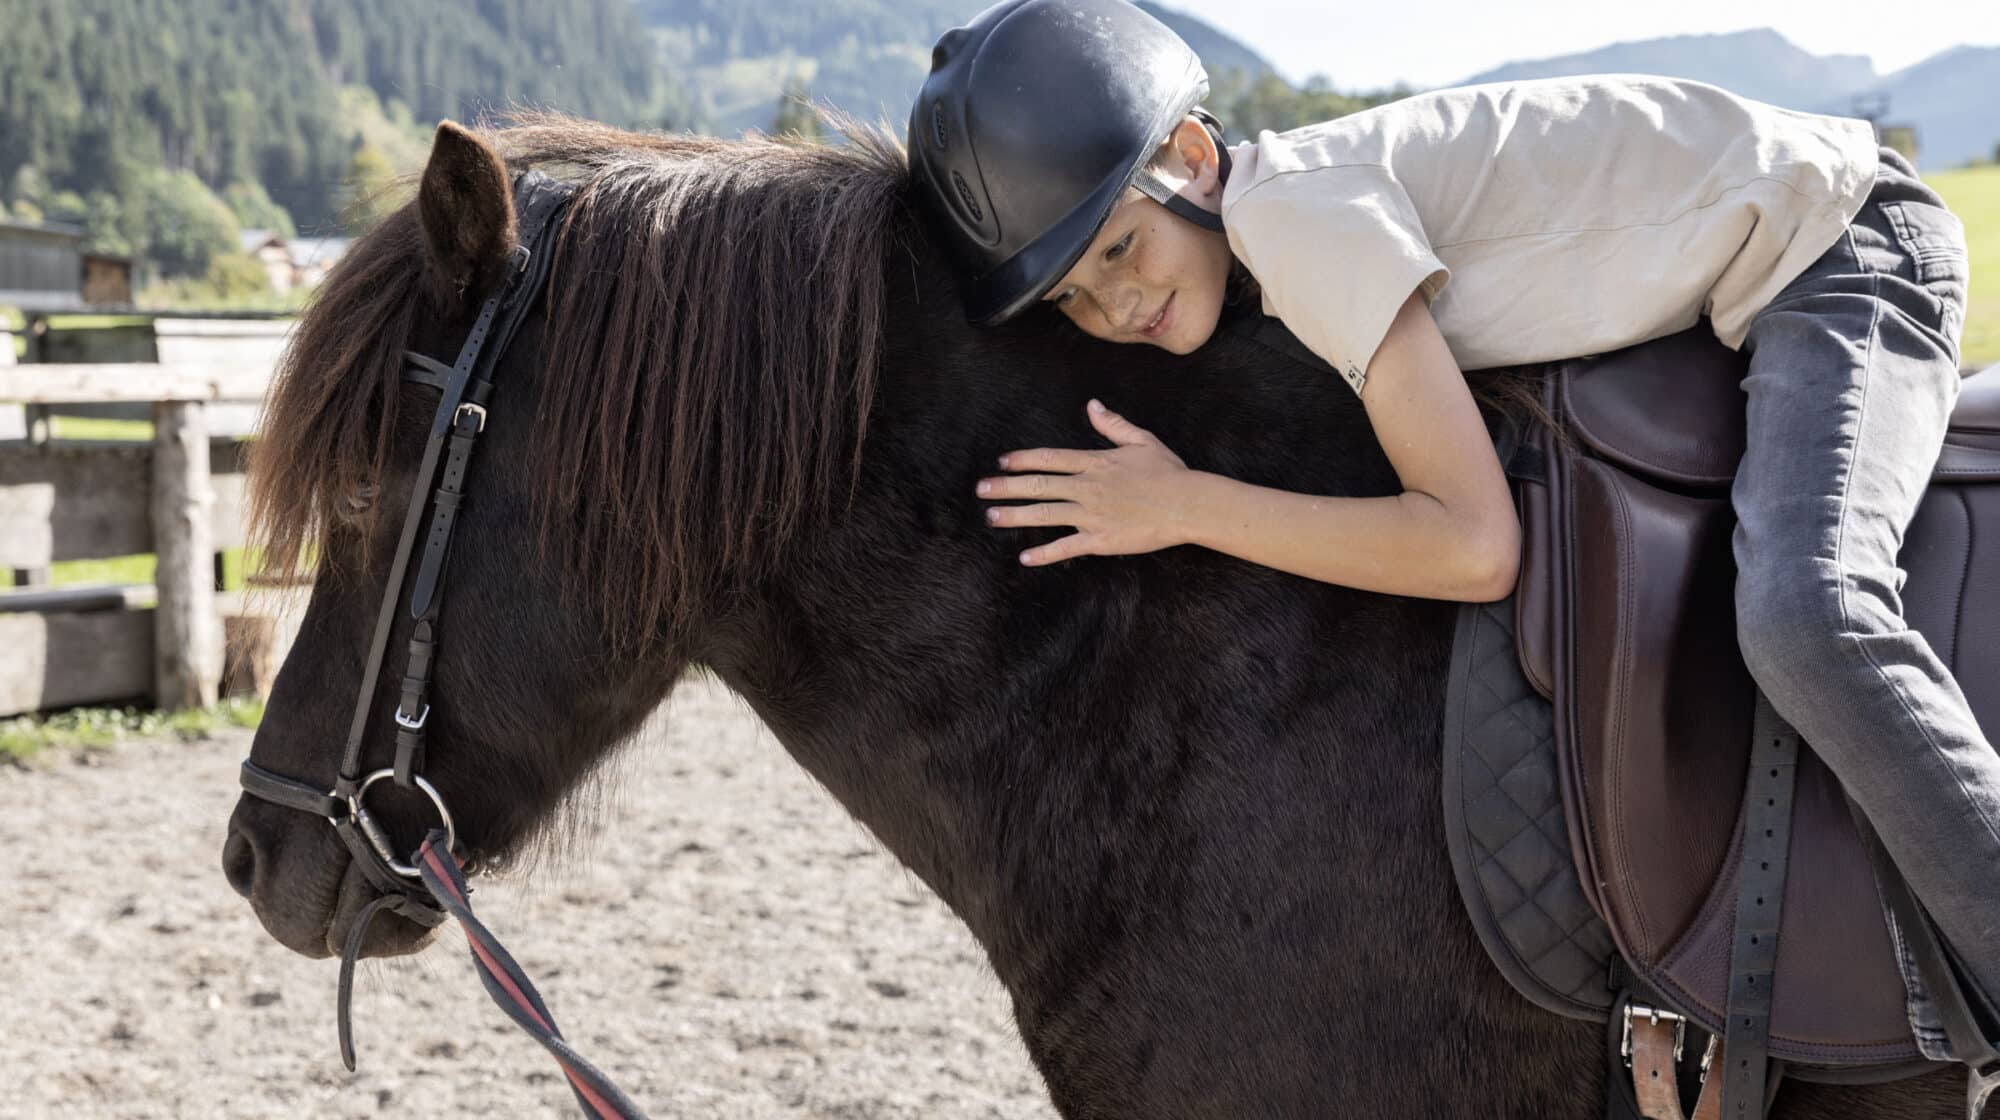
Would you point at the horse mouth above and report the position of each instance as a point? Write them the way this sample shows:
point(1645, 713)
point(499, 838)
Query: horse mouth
point(388, 934)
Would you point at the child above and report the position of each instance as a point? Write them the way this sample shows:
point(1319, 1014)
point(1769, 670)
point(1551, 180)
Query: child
point(1488, 226)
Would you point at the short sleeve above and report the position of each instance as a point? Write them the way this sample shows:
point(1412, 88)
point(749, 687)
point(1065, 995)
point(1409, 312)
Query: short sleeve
point(1336, 250)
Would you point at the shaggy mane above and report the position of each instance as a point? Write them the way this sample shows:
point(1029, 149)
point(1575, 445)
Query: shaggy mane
point(714, 328)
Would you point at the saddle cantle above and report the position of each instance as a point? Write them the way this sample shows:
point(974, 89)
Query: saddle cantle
point(1624, 619)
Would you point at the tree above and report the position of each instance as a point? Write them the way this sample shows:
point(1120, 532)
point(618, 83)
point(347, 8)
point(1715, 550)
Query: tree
point(67, 206)
point(796, 117)
point(1248, 106)
point(236, 278)
point(254, 209)
point(29, 186)
point(104, 229)
point(371, 189)
point(184, 225)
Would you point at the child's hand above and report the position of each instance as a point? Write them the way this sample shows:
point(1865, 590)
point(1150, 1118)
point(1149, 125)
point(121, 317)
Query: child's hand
point(1121, 501)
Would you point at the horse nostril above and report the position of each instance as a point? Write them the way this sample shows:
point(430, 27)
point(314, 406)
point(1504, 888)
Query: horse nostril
point(239, 862)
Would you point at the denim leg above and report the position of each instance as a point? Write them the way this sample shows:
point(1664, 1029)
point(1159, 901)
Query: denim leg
point(1852, 377)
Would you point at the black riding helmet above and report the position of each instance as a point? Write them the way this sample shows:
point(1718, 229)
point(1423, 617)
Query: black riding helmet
point(1035, 118)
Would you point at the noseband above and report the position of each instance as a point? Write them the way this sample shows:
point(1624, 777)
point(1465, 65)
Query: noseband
point(430, 884)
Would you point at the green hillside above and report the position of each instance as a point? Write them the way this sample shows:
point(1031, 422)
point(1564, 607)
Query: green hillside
point(164, 127)
point(102, 98)
point(866, 56)
point(1974, 195)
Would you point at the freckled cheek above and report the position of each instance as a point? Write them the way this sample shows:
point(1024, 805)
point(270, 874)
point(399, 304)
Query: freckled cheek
point(1153, 268)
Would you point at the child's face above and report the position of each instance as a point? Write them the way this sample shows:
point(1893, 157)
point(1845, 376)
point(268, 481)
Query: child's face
point(1146, 262)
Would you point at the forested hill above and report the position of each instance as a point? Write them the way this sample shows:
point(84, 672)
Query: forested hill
point(868, 56)
point(166, 127)
point(249, 92)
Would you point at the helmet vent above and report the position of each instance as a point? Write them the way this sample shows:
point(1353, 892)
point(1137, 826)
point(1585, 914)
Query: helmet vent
point(965, 193)
point(937, 127)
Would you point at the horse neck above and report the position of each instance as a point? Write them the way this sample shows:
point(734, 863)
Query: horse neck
point(1053, 751)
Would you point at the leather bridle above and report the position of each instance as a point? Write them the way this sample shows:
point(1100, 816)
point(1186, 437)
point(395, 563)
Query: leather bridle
point(464, 389)
point(430, 884)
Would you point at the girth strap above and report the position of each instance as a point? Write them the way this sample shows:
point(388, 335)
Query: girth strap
point(1753, 956)
point(1656, 1052)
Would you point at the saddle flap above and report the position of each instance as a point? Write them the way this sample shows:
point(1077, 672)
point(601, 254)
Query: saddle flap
point(1671, 409)
point(1659, 707)
point(1838, 997)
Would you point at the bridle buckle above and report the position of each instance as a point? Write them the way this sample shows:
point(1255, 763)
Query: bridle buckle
point(467, 408)
point(413, 723)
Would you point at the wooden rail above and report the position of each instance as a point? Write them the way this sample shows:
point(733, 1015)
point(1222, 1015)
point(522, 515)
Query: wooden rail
point(131, 382)
point(179, 497)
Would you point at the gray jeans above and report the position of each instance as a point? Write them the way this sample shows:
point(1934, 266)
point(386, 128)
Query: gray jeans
point(1853, 374)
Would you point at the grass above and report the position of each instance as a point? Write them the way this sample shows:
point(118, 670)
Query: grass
point(127, 569)
point(84, 322)
point(1973, 194)
point(96, 729)
point(95, 428)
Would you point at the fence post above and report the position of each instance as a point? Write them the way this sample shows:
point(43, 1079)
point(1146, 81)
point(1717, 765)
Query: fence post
point(187, 633)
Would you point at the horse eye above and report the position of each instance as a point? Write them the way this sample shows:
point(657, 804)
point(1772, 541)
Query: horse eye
point(358, 503)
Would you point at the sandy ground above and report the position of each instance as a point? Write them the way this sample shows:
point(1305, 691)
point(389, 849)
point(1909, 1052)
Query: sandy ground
point(734, 946)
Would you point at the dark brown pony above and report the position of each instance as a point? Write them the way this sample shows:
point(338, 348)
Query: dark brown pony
point(1189, 807)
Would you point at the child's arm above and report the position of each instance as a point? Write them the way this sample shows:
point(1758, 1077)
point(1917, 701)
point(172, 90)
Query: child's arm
point(1452, 533)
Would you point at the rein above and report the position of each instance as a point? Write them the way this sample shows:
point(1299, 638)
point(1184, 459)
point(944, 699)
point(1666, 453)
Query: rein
point(431, 884)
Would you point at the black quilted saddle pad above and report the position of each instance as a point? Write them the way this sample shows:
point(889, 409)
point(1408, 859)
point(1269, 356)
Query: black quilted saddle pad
point(1504, 819)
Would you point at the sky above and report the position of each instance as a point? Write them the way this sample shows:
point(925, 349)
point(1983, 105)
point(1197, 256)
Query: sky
point(1371, 44)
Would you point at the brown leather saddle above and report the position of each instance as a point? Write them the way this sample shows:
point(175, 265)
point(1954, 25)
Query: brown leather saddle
point(1625, 622)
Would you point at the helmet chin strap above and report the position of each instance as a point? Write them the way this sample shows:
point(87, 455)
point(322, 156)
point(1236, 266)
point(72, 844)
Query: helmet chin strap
point(1162, 192)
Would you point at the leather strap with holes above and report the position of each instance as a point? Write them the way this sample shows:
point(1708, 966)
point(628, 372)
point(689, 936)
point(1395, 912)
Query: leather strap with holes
point(1753, 957)
point(1655, 1074)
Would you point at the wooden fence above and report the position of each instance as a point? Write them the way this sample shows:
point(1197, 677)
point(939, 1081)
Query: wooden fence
point(179, 496)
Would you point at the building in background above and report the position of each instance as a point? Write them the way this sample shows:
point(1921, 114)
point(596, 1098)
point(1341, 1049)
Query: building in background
point(300, 262)
point(314, 257)
point(107, 280)
point(268, 249)
point(43, 265)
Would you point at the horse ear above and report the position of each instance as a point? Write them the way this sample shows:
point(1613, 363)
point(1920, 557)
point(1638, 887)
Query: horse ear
point(466, 209)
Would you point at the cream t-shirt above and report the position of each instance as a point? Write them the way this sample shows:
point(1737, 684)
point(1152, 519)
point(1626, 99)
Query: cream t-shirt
point(1542, 219)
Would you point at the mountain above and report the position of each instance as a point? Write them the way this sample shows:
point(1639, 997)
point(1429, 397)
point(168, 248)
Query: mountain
point(1218, 52)
point(1947, 96)
point(736, 57)
point(1759, 64)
